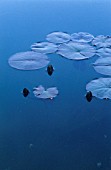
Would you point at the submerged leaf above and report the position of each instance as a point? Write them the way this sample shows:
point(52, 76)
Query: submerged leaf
point(58, 37)
point(100, 88)
point(44, 47)
point(82, 37)
point(28, 60)
point(76, 51)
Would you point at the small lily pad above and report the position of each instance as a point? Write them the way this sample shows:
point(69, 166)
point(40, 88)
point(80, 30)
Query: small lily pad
point(44, 47)
point(40, 92)
point(58, 37)
point(82, 37)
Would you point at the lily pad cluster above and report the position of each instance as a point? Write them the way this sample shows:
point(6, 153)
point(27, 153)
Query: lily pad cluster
point(75, 46)
point(101, 87)
point(103, 45)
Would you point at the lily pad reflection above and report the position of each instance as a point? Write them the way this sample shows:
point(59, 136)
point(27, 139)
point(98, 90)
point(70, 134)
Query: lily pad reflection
point(40, 92)
point(76, 51)
point(44, 47)
point(28, 60)
point(82, 37)
point(100, 88)
point(58, 37)
point(103, 65)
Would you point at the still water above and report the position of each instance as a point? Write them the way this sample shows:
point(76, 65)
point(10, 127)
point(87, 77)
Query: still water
point(67, 133)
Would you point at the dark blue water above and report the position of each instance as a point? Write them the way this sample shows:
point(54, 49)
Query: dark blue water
point(66, 133)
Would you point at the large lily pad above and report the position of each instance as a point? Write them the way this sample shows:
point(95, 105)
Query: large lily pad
point(76, 51)
point(100, 88)
point(28, 60)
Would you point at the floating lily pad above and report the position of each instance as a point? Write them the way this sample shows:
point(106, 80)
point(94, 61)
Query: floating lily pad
point(82, 37)
point(104, 52)
point(28, 60)
point(58, 37)
point(40, 92)
point(102, 41)
point(103, 65)
point(76, 51)
point(100, 88)
point(44, 47)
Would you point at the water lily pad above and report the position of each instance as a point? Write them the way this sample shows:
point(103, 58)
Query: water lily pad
point(76, 51)
point(102, 41)
point(82, 37)
point(44, 47)
point(103, 65)
point(104, 52)
point(100, 88)
point(58, 37)
point(40, 92)
point(28, 60)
